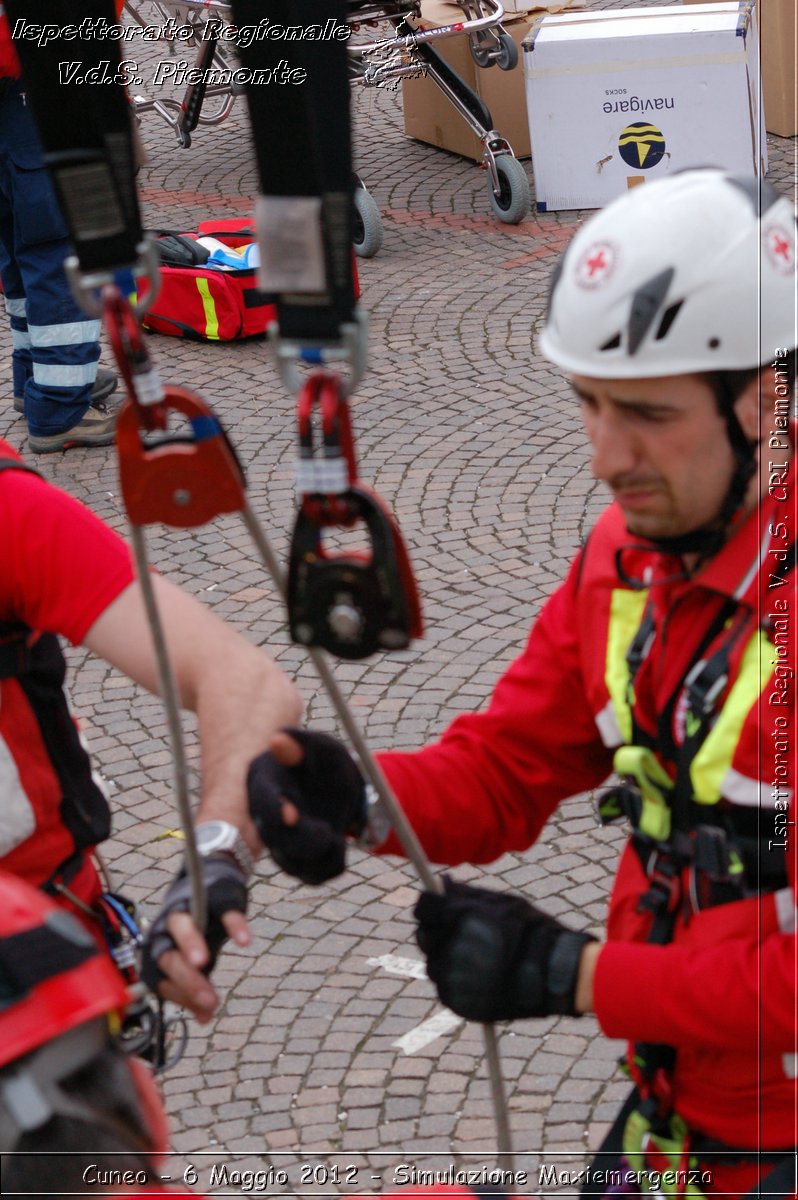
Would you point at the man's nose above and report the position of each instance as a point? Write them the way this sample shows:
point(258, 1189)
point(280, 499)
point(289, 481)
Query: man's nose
point(614, 451)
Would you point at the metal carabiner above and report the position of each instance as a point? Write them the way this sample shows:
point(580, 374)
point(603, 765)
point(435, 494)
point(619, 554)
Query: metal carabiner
point(351, 350)
point(86, 285)
point(139, 375)
point(322, 478)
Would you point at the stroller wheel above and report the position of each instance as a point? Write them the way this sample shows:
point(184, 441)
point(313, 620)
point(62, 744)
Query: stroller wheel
point(507, 57)
point(480, 51)
point(512, 203)
point(368, 224)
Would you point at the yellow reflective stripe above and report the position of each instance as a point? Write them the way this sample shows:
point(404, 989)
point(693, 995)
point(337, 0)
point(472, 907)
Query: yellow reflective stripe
point(626, 613)
point(209, 308)
point(715, 756)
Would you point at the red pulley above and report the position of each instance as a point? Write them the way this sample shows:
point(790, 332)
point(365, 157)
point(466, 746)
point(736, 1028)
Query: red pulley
point(180, 480)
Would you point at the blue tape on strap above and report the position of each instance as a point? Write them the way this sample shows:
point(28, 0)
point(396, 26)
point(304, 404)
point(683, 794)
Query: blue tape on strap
point(125, 281)
point(205, 427)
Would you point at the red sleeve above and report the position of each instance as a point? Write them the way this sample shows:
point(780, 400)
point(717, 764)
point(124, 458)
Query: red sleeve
point(493, 779)
point(62, 566)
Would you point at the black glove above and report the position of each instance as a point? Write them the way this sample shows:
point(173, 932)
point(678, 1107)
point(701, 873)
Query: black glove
point(225, 890)
point(329, 792)
point(494, 957)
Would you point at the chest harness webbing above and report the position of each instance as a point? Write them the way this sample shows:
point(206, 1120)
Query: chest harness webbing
point(37, 663)
point(727, 854)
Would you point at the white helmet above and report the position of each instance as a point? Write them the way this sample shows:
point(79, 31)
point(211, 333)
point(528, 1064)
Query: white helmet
point(693, 273)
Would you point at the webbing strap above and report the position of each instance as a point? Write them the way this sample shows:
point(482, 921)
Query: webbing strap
point(85, 126)
point(302, 136)
point(37, 954)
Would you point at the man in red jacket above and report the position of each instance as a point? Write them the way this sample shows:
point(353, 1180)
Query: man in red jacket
point(667, 657)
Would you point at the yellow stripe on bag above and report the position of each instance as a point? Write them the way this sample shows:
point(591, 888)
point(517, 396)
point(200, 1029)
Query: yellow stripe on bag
point(209, 308)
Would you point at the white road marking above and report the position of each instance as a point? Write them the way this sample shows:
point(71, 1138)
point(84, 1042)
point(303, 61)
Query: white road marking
point(436, 1026)
point(409, 968)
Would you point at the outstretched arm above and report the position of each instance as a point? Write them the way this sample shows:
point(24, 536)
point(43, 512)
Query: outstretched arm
point(240, 697)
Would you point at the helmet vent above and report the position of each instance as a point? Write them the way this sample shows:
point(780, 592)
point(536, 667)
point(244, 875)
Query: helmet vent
point(668, 317)
point(646, 303)
point(613, 343)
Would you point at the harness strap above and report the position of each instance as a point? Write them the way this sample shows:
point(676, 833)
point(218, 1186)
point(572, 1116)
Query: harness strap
point(30, 957)
point(305, 211)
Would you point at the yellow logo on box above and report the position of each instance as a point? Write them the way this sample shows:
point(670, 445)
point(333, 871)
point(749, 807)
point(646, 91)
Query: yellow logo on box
point(641, 145)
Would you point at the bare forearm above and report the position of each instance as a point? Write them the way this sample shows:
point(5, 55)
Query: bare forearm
point(239, 694)
point(239, 708)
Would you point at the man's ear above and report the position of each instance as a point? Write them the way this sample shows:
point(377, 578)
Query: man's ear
point(754, 407)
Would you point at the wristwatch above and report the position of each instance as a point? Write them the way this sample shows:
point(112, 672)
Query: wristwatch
point(220, 837)
point(378, 823)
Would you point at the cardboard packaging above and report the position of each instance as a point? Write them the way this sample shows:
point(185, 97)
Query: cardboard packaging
point(777, 37)
point(430, 117)
point(616, 98)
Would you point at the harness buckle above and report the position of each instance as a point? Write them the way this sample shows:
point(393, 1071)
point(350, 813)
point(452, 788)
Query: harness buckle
point(350, 349)
point(664, 886)
point(704, 693)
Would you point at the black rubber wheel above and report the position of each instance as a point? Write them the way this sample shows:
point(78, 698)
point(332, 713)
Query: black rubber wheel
point(512, 203)
point(368, 224)
point(508, 53)
point(480, 52)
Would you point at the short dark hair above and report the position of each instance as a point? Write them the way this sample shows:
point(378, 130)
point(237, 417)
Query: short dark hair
point(728, 386)
point(118, 1141)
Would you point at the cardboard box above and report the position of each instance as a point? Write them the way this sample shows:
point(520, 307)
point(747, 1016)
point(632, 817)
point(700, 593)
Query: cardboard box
point(430, 117)
point(616, 98)
point(777, 38)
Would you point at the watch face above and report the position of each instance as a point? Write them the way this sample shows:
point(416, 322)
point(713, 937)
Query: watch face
point(210, 835)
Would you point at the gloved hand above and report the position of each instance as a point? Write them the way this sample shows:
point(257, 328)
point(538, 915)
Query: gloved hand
point(494, 957)
point(225, 891)
point(330, 794)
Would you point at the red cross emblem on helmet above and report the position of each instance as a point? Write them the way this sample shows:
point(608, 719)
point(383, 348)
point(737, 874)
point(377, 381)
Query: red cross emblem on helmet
point(596, 265)
point(780, 248)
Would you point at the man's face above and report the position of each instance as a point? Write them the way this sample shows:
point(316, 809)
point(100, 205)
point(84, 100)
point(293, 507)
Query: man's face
point(661, 447)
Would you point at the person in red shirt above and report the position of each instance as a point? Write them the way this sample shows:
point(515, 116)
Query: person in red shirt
point(667, 657)
point(65, 572)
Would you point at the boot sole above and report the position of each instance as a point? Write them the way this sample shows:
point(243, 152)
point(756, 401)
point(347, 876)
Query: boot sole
point(46, 445)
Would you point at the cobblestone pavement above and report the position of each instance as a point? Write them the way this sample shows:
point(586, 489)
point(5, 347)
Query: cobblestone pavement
point(476, 444)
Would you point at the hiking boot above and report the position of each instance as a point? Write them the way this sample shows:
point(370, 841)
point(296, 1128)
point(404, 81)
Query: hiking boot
point(97, 427)
point(104, 385)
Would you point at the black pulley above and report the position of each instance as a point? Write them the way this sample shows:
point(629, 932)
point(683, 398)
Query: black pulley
point(354, 603)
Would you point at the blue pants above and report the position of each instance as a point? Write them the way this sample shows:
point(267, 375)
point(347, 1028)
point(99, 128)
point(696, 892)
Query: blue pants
point(55, 346)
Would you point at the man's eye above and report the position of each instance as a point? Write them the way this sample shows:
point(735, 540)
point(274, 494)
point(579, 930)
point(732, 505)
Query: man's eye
point(651, 416)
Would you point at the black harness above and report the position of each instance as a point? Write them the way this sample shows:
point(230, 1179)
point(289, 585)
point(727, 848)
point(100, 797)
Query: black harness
point(37, 663)
point(729, 853)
